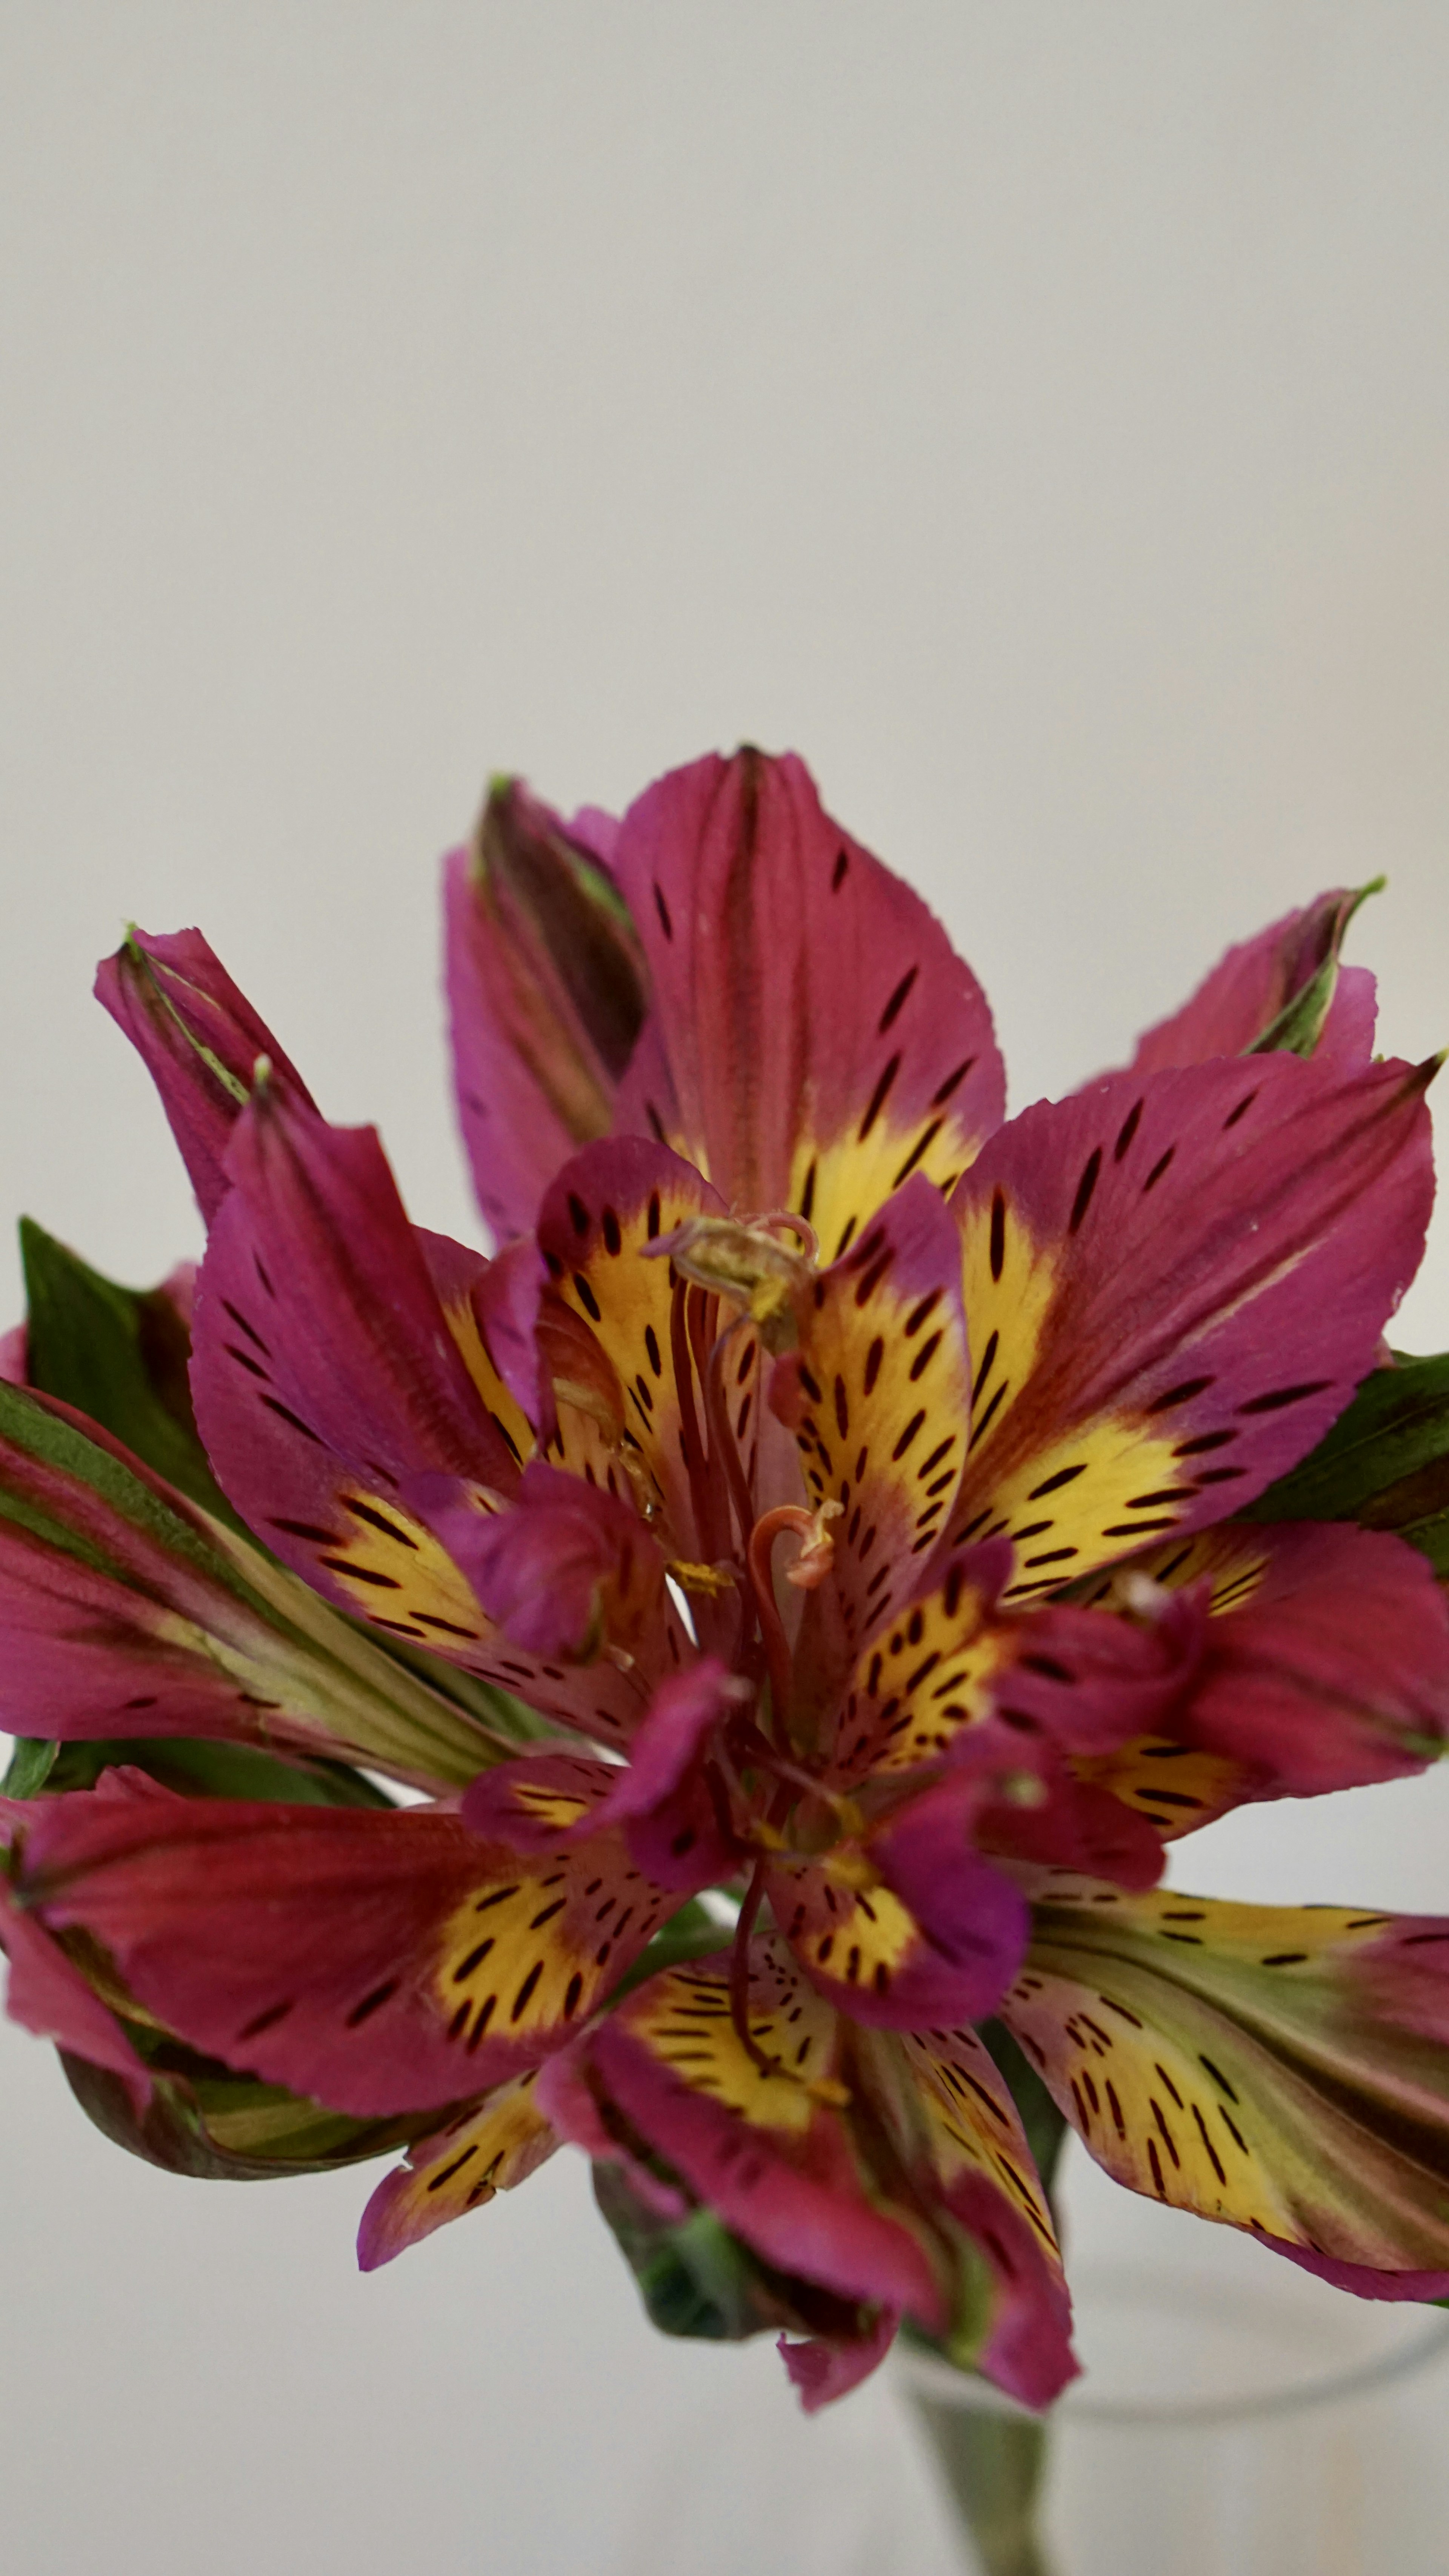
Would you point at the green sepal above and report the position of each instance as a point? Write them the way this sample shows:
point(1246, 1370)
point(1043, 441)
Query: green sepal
point(1384, 1464)
point(199, 1767)
point(217, 2126)
point(119, 1355)
point(1297, 1028)
point(698, 2281)
point(507, 1719)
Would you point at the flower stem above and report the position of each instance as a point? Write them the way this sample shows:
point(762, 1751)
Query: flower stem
point(991, 2465)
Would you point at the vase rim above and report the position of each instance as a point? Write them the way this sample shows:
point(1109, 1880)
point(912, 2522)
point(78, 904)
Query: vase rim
point(928, 2375)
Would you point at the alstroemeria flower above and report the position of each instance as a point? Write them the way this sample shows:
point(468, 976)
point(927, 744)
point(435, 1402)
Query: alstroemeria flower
point(841, 1477)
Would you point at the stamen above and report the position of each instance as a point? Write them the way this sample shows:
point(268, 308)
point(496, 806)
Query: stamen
point(798, 1225)
point(711, 1580)
point(788, 1516)
point(747, 1263)
point(817, 1555)
point(849, 1819)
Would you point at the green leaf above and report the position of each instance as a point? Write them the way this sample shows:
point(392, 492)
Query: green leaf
point(119, 1355)
point(1043, 2122)
point(30, 1767)
point(1384, 1464)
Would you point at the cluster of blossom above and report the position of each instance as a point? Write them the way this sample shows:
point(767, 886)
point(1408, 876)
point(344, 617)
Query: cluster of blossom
point(809, 1573)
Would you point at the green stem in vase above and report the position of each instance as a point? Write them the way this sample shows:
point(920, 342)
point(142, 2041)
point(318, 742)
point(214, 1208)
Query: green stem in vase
point(992, 2464)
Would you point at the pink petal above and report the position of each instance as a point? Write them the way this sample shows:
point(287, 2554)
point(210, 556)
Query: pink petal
point(659, 1796)
point(779, 2172)
point(822, 1039)
point(48, 1995)
point(378, 1962)
point(1254, 983)
point(565, 1568)
point(546, 997)
point(200, 1040)
point(1174, 1282)
point(1332, 1669)
point(820, 2371)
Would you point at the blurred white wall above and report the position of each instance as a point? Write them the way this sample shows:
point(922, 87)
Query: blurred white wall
point(1038, 417)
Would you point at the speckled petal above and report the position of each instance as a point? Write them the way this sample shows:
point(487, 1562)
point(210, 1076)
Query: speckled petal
point(765, 2150)
point(644, 1336)
point(378, 1962)
point(489, 2147)
point(823, 1040)
point(326, 1378)
point(914, 1927)
point(126, 1611)
point(1324, 1664)
point(1283, 2069)
point(878, 1395)
point(1173, 1284)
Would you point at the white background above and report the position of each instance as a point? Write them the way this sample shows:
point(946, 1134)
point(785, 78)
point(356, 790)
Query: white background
point(1038, 417)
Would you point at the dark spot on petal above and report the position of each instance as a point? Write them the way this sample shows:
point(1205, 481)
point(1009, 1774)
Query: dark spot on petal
point(878, 1098)
point(1085, 1187)
point(371, 2003)
point(1127, 1131)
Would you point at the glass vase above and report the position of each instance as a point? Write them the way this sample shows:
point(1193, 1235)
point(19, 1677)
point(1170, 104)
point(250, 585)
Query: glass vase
point(1235, 2417)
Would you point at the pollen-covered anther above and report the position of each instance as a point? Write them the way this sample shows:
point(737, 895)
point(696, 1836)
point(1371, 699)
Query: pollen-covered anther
point(746, 1263)
point(768, 1838)
point(711, 1580)
point(817, 1555)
